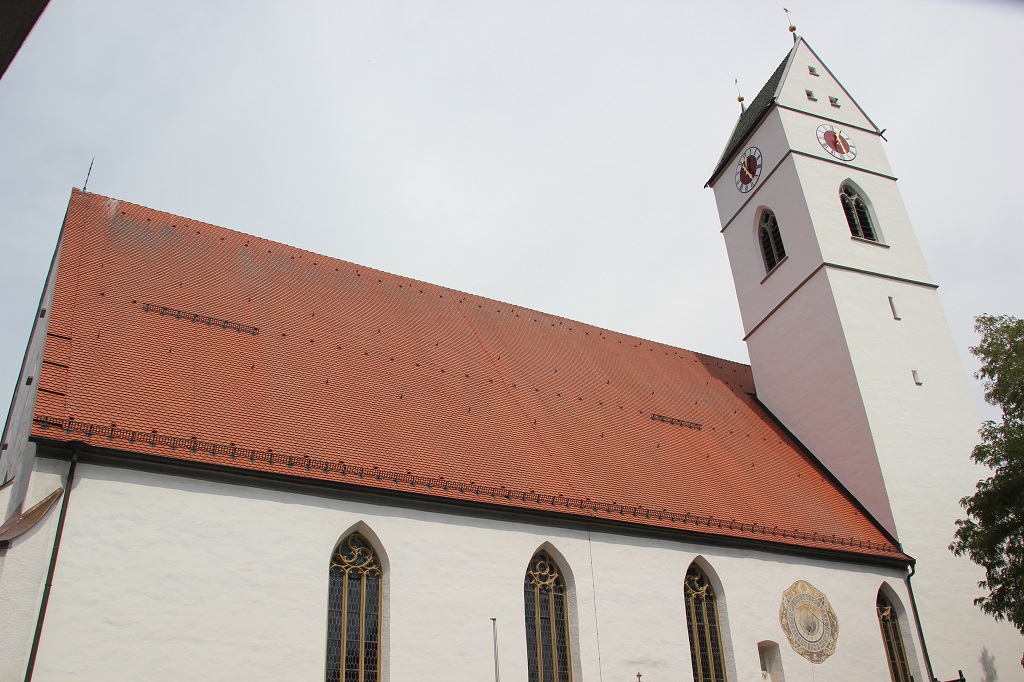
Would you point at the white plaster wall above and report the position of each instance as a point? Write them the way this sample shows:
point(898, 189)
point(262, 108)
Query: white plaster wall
point(759, 295)
point(23, 568)
point(804, 374)
point(170, 578)
point(821, 183)
point(924, 436)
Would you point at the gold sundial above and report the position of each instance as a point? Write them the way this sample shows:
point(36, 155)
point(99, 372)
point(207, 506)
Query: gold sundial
point(809, 622)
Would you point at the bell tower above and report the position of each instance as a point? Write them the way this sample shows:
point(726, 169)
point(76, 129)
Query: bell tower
point(848, 342)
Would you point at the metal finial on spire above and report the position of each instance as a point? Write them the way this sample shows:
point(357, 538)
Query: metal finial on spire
point(739, 95)
point(792, 26)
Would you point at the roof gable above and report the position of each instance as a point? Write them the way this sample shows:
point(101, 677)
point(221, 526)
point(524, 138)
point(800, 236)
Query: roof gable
point(179, 339)
point(799, 79)
point(787, 87)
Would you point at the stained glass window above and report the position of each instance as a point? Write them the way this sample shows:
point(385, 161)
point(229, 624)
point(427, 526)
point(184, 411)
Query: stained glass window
point(772, 248)
point(703, 628)
point(895, 651)
point(354, 604)
point(857, 216)
point(547, 622)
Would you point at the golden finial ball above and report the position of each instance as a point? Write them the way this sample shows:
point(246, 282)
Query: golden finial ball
point(792, 28)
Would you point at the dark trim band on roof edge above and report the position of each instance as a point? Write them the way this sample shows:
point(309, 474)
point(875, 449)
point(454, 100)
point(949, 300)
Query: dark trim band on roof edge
point(827, 472)
point(845, 124)
point(375, 477)
point(99, 456)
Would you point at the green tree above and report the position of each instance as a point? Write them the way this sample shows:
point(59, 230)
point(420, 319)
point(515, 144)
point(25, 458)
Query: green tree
point(992, 535)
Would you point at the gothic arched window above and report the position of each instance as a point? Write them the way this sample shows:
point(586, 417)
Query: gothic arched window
point(857, 216)
point(547, 622)
point(771, 240)
point(895, 651)
point(354, 608)
point(703, 627)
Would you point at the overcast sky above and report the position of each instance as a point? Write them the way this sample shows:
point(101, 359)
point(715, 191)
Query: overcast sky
point(547, 153)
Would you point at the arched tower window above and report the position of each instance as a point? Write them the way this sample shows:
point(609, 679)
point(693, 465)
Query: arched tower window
point(354, 608)
point(702, 624)
point(857, 216)
point(895, 651)
point(547, 622)
point(771, 240)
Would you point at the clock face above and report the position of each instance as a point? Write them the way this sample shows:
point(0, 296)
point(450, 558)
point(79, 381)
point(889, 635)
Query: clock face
point(836, 142)
point(748, 169)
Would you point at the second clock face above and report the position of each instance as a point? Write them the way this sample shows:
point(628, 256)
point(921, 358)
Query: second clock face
point(748, 169)
point(836, 142)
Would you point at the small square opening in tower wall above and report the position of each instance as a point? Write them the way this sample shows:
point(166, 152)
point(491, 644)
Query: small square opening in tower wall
point(810, 95)
point(834, 101)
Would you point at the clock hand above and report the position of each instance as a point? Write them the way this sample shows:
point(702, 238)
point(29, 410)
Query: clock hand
point(841, 143)
point(745, 170)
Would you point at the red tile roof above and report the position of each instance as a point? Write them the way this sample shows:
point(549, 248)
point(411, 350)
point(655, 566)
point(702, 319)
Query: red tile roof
point(180, 339)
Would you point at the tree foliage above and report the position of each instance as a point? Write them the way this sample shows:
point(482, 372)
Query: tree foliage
point(992, 535)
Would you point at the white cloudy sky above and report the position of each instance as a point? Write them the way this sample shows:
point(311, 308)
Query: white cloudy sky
point(548, 153)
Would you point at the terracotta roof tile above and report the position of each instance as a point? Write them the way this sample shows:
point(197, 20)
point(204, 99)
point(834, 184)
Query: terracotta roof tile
point(177, 338)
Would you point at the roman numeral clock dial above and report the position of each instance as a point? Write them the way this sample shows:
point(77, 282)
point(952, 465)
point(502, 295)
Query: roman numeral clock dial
point(836, 142)
point(748, 169)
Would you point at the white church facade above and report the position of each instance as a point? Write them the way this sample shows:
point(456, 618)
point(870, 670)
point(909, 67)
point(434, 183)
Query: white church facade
point(228, 458)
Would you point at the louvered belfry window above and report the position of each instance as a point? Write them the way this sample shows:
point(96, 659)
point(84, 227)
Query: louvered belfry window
point(857, 216)
point(770, 238)
point(355, 599)
point(895, 651)
point(547, 622)
point(703, 627)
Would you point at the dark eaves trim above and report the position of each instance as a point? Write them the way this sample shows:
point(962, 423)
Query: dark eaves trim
point(831, 477)
point(265, 460)
point(88, 454)
point(817, 117)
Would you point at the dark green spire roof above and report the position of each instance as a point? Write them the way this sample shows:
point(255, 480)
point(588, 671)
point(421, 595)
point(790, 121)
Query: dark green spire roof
point(752, 115)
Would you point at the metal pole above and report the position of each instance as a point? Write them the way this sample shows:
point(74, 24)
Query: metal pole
point(494, 629)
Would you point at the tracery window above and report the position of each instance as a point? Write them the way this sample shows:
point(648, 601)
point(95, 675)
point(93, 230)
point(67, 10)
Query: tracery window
point(770, 238)
point(547, 622)
point(895, 651)
point(857, 215)
point(702, 625)
point(355, 600)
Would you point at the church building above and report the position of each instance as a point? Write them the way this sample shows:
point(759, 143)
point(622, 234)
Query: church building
point(228, 458)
